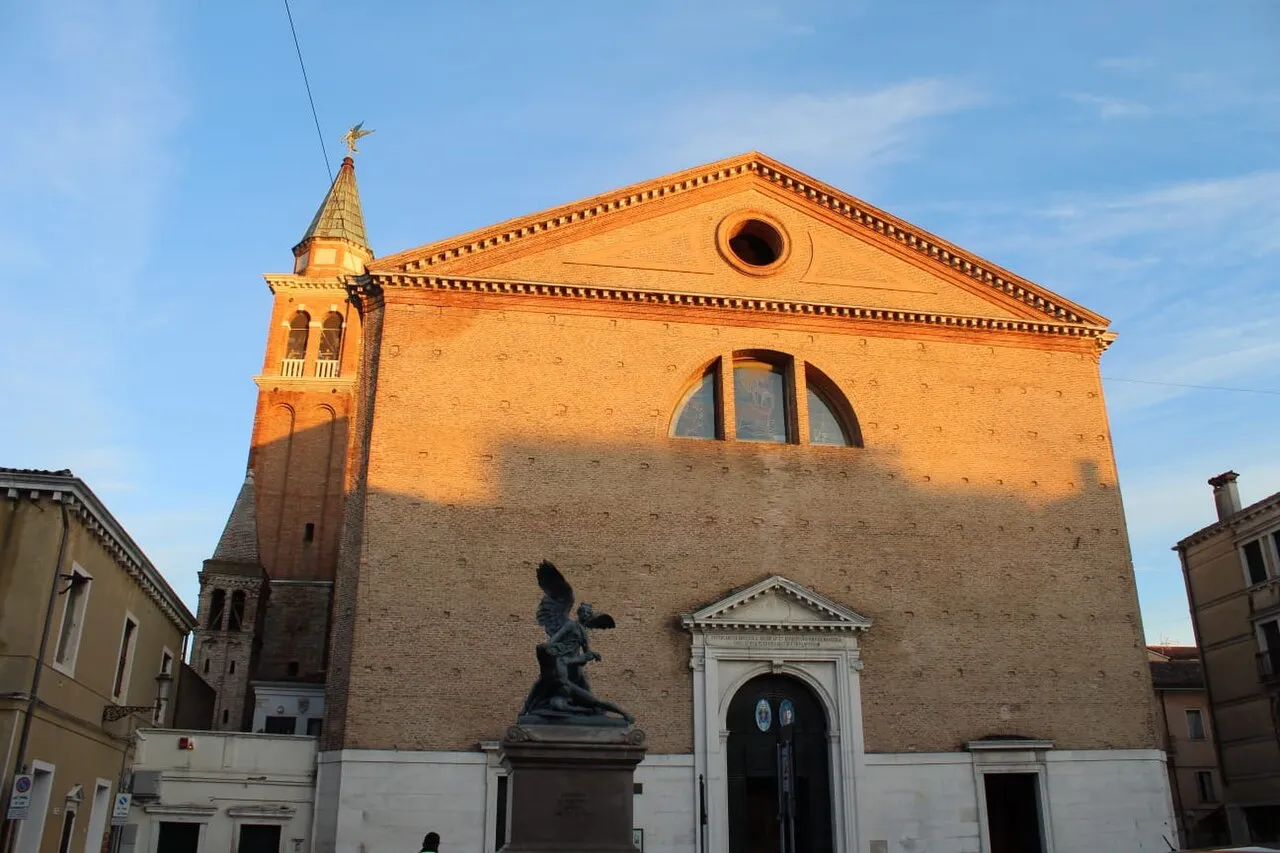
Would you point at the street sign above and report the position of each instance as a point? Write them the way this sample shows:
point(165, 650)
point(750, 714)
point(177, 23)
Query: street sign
point(120, 812)
point(20, 797)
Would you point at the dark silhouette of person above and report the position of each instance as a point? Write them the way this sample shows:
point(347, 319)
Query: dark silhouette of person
point(431, 843)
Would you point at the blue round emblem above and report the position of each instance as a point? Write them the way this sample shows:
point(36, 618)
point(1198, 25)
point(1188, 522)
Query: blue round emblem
point(764, 715)
point(786, 713)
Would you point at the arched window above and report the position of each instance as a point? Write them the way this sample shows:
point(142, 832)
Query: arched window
point(331, 337)
point(217, 603)
point(766, 404)
point(761, 403)
point(831, 419)
point(236, 617)
point(299, 329)
point(698, 415)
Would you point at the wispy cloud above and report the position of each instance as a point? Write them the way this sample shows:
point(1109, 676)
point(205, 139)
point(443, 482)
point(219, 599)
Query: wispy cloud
point(1110, 107)
point(867, 128)
point(1225, 215)
point(99, 106)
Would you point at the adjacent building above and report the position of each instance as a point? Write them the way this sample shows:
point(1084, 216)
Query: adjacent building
point(1188, 742)
point(199, 791)
point(1232, 572)
point(91, 644)
point(798, 448)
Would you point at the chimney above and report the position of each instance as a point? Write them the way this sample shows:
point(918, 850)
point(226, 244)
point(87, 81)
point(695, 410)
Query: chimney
point(1225, 494)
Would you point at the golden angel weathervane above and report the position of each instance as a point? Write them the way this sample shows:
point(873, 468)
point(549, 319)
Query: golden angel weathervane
point(352, 136)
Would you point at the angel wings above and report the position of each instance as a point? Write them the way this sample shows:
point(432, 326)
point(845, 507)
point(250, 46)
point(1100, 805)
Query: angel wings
point(557, 604)
point(562, 693)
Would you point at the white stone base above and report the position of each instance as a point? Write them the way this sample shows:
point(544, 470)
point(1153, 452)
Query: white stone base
point(372, 801)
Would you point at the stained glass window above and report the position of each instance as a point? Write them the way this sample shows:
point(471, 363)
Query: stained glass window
point(760, 401)
point(697, 413)
point(825, 426)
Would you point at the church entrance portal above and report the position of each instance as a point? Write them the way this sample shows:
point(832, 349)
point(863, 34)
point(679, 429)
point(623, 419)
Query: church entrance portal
point(776, 723)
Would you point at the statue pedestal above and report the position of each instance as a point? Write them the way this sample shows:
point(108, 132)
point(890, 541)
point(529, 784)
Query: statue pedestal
point(571, 788)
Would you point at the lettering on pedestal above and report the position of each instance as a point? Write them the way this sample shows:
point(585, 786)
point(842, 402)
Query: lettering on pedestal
point(572, 805)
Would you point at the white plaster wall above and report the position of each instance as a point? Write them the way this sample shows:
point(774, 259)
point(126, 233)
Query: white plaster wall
point(225, 772)
point(919, 803)
point(1104, 800)
point(384, 801)
point(1110, 800)
point(667, 811)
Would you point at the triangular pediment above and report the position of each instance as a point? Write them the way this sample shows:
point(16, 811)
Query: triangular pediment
point(665, 235)
point(776, 604)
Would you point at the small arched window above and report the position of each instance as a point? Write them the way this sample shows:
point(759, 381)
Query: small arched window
point(217, 603)
point(299, 329)
point(698, 415)
point(832, 420)
point(331, 337)
point(236, 617)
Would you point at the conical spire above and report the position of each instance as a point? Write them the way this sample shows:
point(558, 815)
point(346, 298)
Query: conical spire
point(339, 216)
point(239, 541)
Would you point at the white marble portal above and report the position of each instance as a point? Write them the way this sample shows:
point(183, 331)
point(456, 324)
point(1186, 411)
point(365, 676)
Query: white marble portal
point(777, 626)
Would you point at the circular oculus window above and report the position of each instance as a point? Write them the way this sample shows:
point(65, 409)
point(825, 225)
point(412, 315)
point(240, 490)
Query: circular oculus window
point(753, 242)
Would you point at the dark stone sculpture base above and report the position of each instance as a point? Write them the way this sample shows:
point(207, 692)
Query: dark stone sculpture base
point(571, 788)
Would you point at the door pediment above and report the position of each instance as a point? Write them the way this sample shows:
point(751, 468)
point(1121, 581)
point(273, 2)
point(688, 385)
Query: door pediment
point(772, 605)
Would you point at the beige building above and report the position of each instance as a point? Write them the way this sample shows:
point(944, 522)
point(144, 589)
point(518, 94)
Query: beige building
point(800, 450)
point(1232, 572)
point(1188, 742)
point(91, 643)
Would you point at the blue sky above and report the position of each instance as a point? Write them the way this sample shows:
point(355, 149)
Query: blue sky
point(159, 157)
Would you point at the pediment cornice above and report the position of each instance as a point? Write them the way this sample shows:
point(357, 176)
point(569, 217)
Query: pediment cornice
point(750, 167)
point(739, 304)
point(775, 604)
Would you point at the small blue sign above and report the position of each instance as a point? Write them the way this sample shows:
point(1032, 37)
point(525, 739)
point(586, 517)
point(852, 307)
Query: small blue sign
point(764, 715)
point(786, 713)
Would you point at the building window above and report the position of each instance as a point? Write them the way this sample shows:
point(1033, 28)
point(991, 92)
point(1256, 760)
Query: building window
point(217, 603)
point(698, 415)
point(206, 665)
point(1255, 563)
point(761, 402)
point(1269, 651)
point(231, 668)
point(235, 619)
point(281, 725)
point(162, 702)
point(330, 346)
point(1195, 724)
point(299, 331)
point(124, 661)
point(292, 668)
point(308, 532)
point(766, 404)
point(1204, 783)
point(74, 606)
point(315, 725)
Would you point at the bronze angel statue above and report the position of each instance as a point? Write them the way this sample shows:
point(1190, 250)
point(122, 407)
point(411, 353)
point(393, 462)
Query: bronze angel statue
point(562, 693)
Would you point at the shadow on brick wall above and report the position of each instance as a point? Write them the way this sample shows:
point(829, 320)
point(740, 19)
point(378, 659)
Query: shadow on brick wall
point(1001, 604)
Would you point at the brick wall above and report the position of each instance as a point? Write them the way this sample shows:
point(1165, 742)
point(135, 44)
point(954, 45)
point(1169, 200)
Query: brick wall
point(981, 526)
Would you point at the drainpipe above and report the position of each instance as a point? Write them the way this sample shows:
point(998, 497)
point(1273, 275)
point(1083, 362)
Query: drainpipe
point(33, 699)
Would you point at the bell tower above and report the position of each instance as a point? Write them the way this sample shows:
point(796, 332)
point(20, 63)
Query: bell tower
point(301, 431)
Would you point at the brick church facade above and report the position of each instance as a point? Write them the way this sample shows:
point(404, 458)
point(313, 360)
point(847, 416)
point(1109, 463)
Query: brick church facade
point(798, 448)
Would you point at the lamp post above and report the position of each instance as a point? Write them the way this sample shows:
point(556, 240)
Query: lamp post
point(164, 682)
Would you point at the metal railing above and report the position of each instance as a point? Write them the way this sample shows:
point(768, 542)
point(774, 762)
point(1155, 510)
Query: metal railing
point(292, 368)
